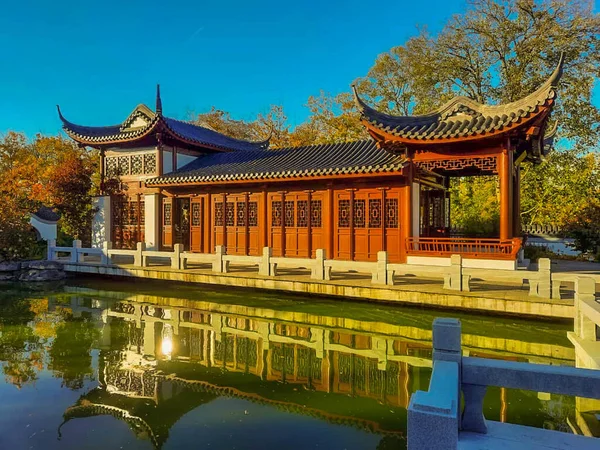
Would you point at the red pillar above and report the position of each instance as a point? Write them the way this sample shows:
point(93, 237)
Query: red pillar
point(517, 202)
point(506, 199)
point(406, 230)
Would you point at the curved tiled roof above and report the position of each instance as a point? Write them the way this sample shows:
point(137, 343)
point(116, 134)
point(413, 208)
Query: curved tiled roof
point(155, 122)
point(47, 214)
point(295, 162)
point(462, 117)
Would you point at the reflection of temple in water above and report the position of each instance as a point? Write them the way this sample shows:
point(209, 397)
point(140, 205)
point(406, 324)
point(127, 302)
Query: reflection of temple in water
point(159, 361)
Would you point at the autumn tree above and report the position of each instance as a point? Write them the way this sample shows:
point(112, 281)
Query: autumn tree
point(271, 125)
point(331, 120)
point(49, 171)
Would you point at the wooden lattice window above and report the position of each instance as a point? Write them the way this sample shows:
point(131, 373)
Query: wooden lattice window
point(391, 213)
point(112, 166)
point(302, 218)
point(241, 214)
point(289, 214)
point(167, 214)
point(315, 213)
point(230, 214)
point(344, 213)
point(359, 213)
point(195, 214)
point(150, 163)
point(253, 214)
point(374, 213)
point(123, 165)
point(219, 214)
point(276, 213)
point(136, 165)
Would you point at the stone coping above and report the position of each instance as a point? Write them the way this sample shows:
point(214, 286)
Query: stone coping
point(504, 300)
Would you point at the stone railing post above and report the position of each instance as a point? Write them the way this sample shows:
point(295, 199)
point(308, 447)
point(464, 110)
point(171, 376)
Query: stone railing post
point(176, 256)
point(51, 244)
point(434, 416)
point(585, 290)
point(317, 271)
point(264, 267)
point(542, 285)
point(380, 275)
point(76, 256)
point(454, 279)
point(138, 259)
point(219, 265)
point(105, 258)
point(447, 345)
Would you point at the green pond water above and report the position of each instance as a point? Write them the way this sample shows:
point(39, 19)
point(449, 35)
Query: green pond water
point(100, 364)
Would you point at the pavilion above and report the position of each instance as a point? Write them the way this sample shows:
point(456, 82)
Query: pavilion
point(181, 183)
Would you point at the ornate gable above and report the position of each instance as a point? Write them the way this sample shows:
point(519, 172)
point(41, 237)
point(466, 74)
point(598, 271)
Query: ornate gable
point(141, 117)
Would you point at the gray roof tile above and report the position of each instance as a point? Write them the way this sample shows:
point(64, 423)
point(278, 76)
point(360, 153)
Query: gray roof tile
point(294, 162)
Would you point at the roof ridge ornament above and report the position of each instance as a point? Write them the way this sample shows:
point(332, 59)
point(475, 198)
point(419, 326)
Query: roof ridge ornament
point(61, 117)
point(158, 108)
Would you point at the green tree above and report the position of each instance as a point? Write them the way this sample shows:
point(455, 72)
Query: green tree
point(70, 357)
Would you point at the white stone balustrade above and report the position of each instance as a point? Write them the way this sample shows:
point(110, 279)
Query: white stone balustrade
point(542, 283)
point(433, 417)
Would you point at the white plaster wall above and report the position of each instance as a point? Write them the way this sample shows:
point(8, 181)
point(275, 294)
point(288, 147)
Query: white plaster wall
point(182, 159)
point(467, 262)
point(416, 209)
point(151, 203)
point(46, 230)
point(167, 162)
point(101, 222)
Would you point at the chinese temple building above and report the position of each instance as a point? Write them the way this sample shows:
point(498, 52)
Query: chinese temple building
point(187, 184)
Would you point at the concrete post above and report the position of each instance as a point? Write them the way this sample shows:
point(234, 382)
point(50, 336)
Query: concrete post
point(75, 255)
point(51, 244)
point(264, 267)
point(105, 258)
point(317, 271)
point(219, 265)
point(447, 343)
point(138, 259)
point(542, 286)
point(176, 256)
point(453, 279)
point(585, 290)
point(379, 276)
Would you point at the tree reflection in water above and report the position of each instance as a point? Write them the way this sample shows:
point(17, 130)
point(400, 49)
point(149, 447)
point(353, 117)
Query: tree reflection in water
point(159, 359)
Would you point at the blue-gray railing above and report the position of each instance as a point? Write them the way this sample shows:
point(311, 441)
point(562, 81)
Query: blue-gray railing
point(434, 419)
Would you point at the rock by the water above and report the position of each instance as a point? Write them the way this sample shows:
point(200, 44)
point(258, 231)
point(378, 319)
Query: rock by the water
point(42, 275)
point(43, 265)
point(33, 271)
point(8, 266)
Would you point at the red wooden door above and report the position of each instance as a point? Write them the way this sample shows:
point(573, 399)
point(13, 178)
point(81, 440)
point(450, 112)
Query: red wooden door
point(253, 217)
point(275, 207)
point(196, 222)
point(341, 224)
point(394, 245)
point(218, 214)
point(167, 223)
point(367, 224)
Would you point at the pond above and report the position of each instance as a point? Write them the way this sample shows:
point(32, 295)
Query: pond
point(101, 364)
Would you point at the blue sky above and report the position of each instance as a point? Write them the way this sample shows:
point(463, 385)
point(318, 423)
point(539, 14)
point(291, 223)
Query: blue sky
point(98, 60)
